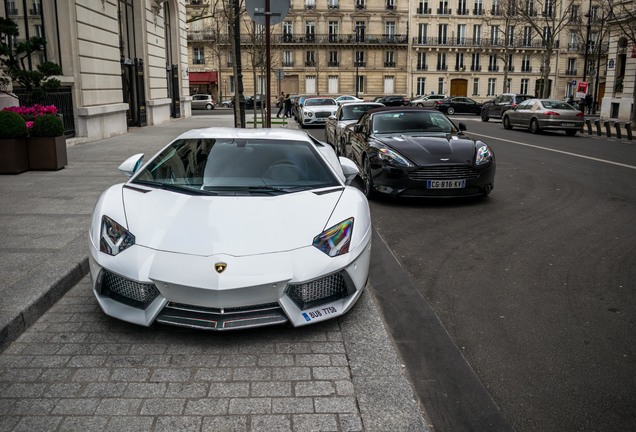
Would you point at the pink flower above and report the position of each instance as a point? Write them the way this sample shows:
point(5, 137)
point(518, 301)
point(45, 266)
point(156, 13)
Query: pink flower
point(29, 124)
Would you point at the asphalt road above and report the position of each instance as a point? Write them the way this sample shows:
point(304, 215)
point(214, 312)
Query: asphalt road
point(533, 287)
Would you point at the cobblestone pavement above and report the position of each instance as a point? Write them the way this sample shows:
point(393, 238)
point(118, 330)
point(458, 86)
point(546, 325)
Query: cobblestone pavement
point(77, 369)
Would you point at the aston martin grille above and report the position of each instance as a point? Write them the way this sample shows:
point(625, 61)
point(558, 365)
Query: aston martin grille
point(132, 293)
point(444, 173)
point(317, 292)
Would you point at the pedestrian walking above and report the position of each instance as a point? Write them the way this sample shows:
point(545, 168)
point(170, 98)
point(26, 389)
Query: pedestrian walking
point(588, 102)
point(281, 104)
point(288, 106)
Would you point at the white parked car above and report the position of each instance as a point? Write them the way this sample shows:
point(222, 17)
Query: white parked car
point(232, 228)
point(315, 111)
point(347, 98)
point(348, 113)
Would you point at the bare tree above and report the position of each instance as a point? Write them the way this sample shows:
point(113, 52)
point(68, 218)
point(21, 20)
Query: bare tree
point(504, 19)
point(548, 18)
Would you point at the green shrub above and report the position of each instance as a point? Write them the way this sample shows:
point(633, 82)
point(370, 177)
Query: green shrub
point(47, 125)
point(12, 125)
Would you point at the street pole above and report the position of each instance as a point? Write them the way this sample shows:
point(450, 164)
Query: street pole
point(587, 40)
point(268, 67)
point(356, 58)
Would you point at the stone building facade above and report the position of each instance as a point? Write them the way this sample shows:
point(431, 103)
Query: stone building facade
point(410, 47)
point(124, 62)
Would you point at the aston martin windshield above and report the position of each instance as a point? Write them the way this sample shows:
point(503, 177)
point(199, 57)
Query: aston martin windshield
point(237, 166)
point(400, 122)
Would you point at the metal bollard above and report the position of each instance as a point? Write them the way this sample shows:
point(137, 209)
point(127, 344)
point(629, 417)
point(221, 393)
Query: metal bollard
point(608, 130)
point(628, 129)
point(588, 123)
point(597, 123)
point(617, 126)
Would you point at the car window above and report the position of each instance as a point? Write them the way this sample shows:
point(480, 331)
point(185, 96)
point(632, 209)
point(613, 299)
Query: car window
point(354, 112)
point(525, 105)
point(506, 99)
point(237, 166)
point(321, 101)
point(555, 104)
point(410, 122)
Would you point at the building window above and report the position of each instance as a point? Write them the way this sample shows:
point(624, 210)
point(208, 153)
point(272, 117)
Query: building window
point(475, 86)
point(423, 7)
point(359, 60)
point(459, 62)
point(422, 30)
point(421, 86)
point(440, 85)
point(492, 64)
point(474, 64)
point(333, 84)
point(508, 85)
point(310, 59)
point(288, 58)
point(494, 35)
point(334, 31)
point(310, 84)
point(477, 34)
point(310, 31)
point(525, 82)
point(525, 64)
point(287, 31)
point(442, 33)
point(389, 29)
point(360, 4)
point(421, 61)
point(571, 68)
point(389, 59)
point(310, 4)
point(461, 34)
point(389, 84)
point(333, 4)
point(492, 84)
point(232, 84)
point(333, 58)
point(198, 56)
point(360, 84)
point(527, 36)
point(441, 62)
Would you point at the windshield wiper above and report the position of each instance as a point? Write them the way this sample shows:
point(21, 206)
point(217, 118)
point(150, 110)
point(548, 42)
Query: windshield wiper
point(174, 188)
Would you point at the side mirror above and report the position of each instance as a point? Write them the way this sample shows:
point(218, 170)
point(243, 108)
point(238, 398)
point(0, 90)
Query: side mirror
point(349, 168)
point(462, 127)
point(332, 117)
point(132, 164)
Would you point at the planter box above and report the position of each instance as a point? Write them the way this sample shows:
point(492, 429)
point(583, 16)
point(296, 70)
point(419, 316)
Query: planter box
point(14, 156)
point(47, 153)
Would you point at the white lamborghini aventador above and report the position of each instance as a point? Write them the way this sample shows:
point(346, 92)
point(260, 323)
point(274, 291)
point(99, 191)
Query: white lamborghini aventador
point(232, 228)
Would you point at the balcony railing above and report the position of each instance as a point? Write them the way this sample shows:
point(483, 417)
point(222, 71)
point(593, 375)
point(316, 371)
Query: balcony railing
point(492, 68)
point(424, 11)
point(574, 20)
point(198, 61)
point(391, 6)
point(570, 72)
point(478, 11)
point(460, 68)
point(360, 64)
point(12, 11)
point(443, 11)
point(389, 64)
point(442, 67)
point(288, 64)
point(310, 63)
point(495, 11)
point(34, 11)
point(421, 67)
point(526, 68)
point(463, 11)
point(475, 68)
point(509, 68)
point(201, 35)
point(333, 6)
point(361, 6)
point(480, 42)
point(333, 64)
point(348, 39)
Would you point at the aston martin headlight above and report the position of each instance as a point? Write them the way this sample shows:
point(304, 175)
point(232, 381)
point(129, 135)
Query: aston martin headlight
point(484, 155)
point(114, 238)
point(335, 241)
point(393, 158)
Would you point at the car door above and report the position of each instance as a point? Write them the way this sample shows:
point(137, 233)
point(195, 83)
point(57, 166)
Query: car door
point(330, 127)
point(358, 141)
point(472, 106)
point(521, 115)
point(197, 101)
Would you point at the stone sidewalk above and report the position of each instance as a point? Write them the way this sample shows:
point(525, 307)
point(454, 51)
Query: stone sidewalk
point(66, 366)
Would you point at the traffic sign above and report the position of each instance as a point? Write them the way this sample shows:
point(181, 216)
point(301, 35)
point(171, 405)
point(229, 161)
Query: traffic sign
point(277, 10)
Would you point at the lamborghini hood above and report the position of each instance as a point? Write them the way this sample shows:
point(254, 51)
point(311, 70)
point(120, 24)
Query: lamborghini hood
point(424, 150)
point(238, 226)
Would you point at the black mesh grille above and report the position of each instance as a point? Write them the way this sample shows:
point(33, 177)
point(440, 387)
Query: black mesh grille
point(318, 292)
point(323, 114)
point(132, 293)
point(444, 173)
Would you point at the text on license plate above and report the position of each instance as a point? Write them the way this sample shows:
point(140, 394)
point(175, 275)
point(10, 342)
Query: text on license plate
point(567, 124)
point(445, 184)
point(318, 313)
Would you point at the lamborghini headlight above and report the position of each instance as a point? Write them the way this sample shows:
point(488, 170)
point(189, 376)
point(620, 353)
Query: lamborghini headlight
point(336, 240)
point(393, 158)
point(114, 238)
point(484, 155)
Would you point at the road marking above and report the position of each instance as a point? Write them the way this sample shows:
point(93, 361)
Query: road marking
point(557, 151)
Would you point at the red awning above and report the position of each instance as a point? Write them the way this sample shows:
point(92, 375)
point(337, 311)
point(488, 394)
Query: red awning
point(203, 77)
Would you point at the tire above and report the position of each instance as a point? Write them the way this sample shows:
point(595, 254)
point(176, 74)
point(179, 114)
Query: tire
point(367, 179)
point(450, 110)
point(534, 126)
point(570, 132)
point(209, 107)
point(419, 105)
point(506, 123)
point(484, 116)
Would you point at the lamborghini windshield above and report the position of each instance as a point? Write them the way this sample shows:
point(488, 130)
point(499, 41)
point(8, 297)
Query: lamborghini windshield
point(219, 166)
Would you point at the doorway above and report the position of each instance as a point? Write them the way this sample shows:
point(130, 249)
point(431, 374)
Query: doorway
point(459, 87)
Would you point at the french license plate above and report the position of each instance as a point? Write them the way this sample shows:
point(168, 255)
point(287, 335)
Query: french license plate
point(445, 184)
point(567, 124)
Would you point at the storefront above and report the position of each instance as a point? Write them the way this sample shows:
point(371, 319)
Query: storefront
point(204, 83)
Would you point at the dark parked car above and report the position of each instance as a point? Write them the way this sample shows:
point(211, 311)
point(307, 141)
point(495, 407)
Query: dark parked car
point(458, 105)
point(416, 152)
point(502, 103)
point(393, 100)
point(250, 100)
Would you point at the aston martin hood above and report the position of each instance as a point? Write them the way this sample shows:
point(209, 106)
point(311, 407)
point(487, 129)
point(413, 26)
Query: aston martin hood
point(425, 150)
point(239, 226)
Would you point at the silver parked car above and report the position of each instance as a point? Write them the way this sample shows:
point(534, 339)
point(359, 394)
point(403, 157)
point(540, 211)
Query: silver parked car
point(427, 101)
point(348, 113)
point(545, 114)
point(203, 101)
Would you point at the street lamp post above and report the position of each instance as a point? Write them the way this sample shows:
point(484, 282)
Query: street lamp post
point(357, 60)
point(587, 40)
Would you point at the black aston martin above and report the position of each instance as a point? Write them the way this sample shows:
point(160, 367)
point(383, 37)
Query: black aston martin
point(415, 152)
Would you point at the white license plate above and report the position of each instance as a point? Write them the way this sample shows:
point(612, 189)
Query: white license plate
point(445, 184)
point(567, 124)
